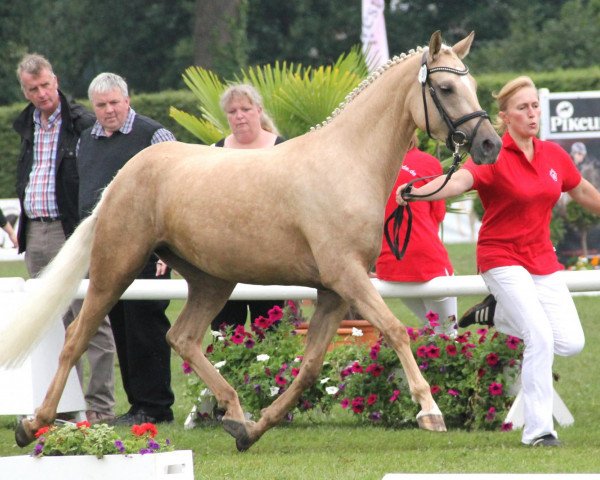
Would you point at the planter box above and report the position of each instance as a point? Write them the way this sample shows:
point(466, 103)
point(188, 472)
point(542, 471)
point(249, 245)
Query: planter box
point(177, 465)
point(344, 333)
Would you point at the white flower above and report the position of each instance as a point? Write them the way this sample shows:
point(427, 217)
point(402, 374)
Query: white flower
point(324, 380)
point(332, 390)
point(220, 364)
point(221, 339)
point(263, 357)
point(297, 359)
point(216, 333)
point(273, 391)
point(357, 332)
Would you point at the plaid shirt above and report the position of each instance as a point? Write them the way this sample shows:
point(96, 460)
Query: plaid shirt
point(40, 193)
point(161, 135)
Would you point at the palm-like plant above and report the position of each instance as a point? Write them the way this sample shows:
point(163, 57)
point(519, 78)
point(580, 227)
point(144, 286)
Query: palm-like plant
point(296, 97)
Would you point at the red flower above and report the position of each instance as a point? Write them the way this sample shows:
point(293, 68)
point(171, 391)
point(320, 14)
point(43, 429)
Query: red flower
point(412, 333)
point(481, 372)
point(84, 424)
point(374, 353)
point(371, 399)
point(495, 389)
point(451, 350)
point(490, 415)
point(394, 396)
point(275, 314)
point(433, 318)
point(435, 389)
point(358, 405)
point(295, 372)
point(375, 369)
point(292, 306)
point(186, 367)
point(209, 349)
point(422, 351)
point(262, 322)
point(41, 431)
point(433, 351)
point(492, 359)
point(453, 392)
point(141, 430)
point(506, 427)
point(356, 368)
point(345, 403)
point(279, 380)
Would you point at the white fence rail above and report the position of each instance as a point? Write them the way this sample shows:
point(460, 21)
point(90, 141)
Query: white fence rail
point(460, 285)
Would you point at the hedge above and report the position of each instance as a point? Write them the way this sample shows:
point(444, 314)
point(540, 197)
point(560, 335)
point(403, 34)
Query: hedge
point(157, 106)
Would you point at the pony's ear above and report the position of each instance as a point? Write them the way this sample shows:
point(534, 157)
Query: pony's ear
point(435, 44)
point(462, 48)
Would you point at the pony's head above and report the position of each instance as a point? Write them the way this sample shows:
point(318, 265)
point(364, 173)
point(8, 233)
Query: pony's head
point(446, 104)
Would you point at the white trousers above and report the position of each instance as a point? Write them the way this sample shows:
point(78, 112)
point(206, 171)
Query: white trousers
point(539, 310)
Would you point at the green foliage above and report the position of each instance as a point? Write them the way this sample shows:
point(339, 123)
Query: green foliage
point(582, 220)
point(98, 440)
point(296, 97)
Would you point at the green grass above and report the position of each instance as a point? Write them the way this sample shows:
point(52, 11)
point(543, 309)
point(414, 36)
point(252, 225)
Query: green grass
point(338, 447)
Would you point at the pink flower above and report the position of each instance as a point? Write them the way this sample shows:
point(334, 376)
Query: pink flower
point(412, 333)
point(371, 399)
point(435, 389)
point(292, 306)
point(394, 396)
point(422, 351)
point(275, 314)
point(295, 372)
point(490, 415)
point(345, 403)
point(237, 338)
point(506, 427)
point(356, 368)
point(495, 389)
point(433, 318)
point(451, 350)
point(453, 392)
point(262, 322)
point(187, 369)
point(512, 342)
point(279, 380)
point(374, 353)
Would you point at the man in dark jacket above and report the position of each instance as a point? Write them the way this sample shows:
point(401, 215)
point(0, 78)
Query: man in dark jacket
point(48, 189)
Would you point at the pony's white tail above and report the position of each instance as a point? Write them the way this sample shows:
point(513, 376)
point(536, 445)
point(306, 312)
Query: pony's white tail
point(55, 289)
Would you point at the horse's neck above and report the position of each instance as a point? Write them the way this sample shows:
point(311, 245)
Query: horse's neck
point(375, 128)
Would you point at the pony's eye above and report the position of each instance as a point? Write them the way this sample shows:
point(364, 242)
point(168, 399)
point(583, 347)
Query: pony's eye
point(446, 88)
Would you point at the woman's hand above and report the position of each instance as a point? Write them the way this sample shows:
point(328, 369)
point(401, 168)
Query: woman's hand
point(399, 194)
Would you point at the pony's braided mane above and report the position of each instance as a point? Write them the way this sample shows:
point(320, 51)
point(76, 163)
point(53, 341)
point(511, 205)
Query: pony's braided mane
point(365, 83)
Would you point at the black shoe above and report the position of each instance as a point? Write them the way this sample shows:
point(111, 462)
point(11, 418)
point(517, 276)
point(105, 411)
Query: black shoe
point(547, 440)
point(482, 313)
point(140, 416)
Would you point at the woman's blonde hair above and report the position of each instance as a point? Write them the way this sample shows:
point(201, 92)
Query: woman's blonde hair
point(505, 94)
point(249, 92)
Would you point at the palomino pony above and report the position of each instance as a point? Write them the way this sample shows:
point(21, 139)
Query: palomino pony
point(306, 212)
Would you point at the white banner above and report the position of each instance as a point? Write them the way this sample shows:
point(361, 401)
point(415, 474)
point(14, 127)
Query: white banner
point(373, 35)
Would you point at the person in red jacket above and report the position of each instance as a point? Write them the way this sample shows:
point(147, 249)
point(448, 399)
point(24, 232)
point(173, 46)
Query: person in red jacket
point(425, 257)
point(514, 253)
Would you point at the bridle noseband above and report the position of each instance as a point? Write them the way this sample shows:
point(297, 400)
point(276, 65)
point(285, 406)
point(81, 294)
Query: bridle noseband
point(455, 140)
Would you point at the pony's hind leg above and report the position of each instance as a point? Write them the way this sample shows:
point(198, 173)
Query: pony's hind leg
point(323, 325)
point(206, 297)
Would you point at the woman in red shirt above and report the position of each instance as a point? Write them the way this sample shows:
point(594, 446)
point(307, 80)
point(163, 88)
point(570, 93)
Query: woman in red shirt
point(514, 253)
point(425, 257)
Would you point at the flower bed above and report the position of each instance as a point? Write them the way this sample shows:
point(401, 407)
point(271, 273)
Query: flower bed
point(469, 375)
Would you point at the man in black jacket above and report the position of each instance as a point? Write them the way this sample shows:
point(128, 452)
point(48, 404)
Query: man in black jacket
point(48, 189)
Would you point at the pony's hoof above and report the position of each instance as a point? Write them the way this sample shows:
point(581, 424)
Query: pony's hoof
point(431, 421)
point(238, 431)
point(23, 435)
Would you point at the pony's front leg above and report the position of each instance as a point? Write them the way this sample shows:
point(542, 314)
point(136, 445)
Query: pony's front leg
point(76, 341)
point(323, 326)
point(363, 296)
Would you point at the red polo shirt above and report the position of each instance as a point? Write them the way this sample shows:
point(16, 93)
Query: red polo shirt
point(518, 197)
point(426, 257)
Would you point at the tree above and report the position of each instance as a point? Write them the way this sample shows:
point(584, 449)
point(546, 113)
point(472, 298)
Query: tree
point(583, 221)
point(13, 46)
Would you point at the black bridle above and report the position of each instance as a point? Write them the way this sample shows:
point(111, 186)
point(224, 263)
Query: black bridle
point(455, 140)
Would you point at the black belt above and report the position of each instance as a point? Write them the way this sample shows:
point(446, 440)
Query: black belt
point(45, 219)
